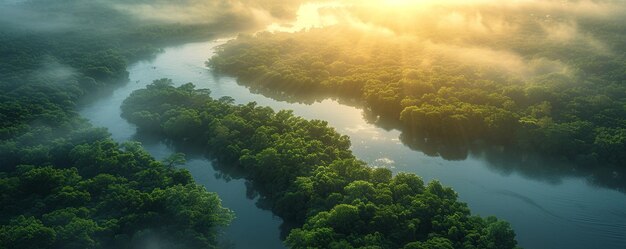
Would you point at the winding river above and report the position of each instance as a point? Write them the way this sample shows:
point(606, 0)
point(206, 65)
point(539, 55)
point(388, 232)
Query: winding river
point(547, 209)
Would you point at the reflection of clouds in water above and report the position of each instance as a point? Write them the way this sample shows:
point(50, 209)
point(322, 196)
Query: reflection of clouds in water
point(384, 162)
point(361, 128)
point(365, 132)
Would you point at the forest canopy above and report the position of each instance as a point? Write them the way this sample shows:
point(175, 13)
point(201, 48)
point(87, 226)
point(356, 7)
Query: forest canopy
point(543, 76)
point(538, 77)
point(63, 183)
point(306, 174)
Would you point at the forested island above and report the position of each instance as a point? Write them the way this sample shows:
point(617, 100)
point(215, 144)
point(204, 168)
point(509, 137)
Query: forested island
point(305, 172)
point(523, 78)
point(66, 184)
point(552, 82)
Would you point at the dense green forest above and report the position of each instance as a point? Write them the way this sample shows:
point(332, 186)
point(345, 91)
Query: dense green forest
point(82, 190)
point(63, 183)
point(45, 71)
point(305, 172)
point(534, 79)
point(509, 78)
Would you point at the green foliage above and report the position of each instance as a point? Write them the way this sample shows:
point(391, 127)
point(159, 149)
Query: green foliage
point(445, 104)
point(434, 243)
point(26, 233)
point(306, 173)
point(64, 184)
point(96, 193)
point(175, 160)
point(43, 74)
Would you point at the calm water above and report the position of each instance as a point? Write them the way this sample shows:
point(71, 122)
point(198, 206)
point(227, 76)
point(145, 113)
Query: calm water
point(547, 209)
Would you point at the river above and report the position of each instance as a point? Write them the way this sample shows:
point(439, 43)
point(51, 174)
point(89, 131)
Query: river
point(547, 209)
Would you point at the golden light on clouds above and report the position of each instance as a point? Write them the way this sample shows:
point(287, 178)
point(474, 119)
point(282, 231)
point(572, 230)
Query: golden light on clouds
point(309, 15)
point(484, 33)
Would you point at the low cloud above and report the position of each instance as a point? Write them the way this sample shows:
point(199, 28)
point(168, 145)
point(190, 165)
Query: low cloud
point(51, 70)
point(497, 60)
point(71, 15)
point(503, 36)
point(17, 16)
point(250, 12)
point(487, 33)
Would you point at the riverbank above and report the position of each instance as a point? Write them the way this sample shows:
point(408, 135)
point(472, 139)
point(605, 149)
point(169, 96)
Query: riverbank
point(543, 208)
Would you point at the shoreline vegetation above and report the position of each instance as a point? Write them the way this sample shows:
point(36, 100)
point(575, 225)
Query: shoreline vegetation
point(66, 184)
point(447, 106)
point(552, 83)
point(306, 174)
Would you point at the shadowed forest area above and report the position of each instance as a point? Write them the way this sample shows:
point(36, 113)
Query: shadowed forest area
point(63, 183)
point(514, 82)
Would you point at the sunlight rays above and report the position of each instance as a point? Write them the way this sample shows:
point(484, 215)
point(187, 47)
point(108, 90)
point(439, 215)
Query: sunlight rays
point(309, 15)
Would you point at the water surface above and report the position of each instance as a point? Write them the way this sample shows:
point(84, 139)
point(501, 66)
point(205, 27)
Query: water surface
point(547, 208)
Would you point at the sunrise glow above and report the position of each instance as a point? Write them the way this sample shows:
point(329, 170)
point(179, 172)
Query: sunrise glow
point(313, 124)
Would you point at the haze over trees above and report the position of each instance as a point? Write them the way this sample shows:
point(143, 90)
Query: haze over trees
point(63, 183)
point(536, 77)
point(539, 76)
point(305, 172)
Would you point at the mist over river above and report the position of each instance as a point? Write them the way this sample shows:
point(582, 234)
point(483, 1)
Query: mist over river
point(547, 208)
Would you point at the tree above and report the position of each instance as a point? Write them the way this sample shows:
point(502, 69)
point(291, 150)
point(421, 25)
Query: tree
point(26, 233)
point(174, 160)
